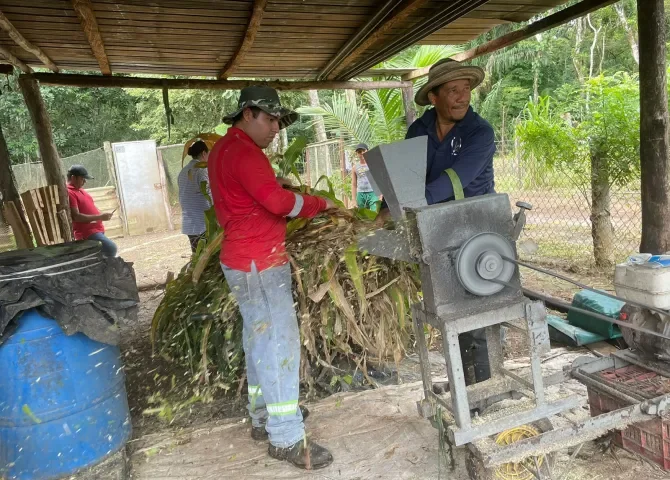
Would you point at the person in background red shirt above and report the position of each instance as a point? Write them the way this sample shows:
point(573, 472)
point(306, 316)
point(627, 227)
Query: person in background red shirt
point(86, 218)
point(251, 207)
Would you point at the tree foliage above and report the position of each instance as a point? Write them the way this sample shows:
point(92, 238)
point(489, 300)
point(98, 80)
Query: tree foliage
point(82, 119)
point(563, 136)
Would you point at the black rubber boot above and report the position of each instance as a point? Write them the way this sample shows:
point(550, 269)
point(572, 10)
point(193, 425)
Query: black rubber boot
point(261, 435)
point(304, 454)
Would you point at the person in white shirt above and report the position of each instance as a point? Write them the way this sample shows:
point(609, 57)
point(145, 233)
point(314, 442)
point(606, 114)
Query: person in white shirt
point(193, 202)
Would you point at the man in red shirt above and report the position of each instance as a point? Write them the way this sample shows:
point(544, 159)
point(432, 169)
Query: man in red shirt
point(86, 218)
point(252, 207)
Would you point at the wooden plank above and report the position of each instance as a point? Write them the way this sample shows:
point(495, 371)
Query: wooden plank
point(40, 215)
point(32, 213)
point(392, 23)
point(11, 215)
point(75, 80)
point(21, 41)
point(89, 23)
point(41, 194)
point(50, 195)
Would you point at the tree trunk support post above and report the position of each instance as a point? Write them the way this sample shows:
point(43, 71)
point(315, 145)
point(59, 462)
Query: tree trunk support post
point(408, 102)
point(654, 163)
point(53, 169)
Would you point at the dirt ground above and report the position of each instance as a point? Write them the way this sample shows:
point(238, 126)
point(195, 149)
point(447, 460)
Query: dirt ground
point(170, 425)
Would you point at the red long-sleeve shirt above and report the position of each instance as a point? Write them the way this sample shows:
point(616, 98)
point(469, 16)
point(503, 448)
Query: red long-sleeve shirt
point(250, 205)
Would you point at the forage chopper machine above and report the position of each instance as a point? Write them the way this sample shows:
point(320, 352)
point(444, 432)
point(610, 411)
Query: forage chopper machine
point(470, 280)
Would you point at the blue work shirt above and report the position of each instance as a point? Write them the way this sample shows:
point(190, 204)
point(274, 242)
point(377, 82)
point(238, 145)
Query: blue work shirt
point(468, 149)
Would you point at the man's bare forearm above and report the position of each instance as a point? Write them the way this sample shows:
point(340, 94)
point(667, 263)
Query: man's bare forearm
point(84, 218)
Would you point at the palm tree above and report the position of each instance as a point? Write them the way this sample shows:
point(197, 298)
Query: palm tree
point(381, 117)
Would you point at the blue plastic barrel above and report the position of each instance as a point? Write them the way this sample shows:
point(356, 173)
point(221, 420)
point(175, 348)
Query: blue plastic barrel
point(63, 403)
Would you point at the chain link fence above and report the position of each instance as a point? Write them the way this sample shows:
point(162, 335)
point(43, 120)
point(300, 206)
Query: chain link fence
point(559, 226)
point(333, 160)
point(31, 175)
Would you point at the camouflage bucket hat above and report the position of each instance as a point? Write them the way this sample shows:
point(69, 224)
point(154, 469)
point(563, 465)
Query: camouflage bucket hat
point(265, 98)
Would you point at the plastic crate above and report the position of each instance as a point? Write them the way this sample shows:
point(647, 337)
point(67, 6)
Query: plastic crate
point(651, 439)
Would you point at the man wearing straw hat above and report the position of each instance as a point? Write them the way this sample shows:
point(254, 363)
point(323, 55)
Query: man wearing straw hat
point(460, 162)
point(251, 207)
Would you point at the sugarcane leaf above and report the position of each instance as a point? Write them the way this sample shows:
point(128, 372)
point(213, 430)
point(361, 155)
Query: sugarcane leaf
point(365, 213)
point(400, 306)
point(351, 262)
point(203, 259)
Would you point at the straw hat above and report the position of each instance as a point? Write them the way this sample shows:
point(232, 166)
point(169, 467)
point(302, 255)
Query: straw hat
point(447, 70)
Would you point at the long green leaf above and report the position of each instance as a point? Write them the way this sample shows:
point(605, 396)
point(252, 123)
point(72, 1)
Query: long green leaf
point(351, 262)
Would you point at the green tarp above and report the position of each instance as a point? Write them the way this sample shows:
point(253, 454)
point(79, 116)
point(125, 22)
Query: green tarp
point(560, 331)
point(601, 304)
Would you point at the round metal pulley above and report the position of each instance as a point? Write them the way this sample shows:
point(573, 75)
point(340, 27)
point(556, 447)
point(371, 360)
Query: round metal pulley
point(480, 260)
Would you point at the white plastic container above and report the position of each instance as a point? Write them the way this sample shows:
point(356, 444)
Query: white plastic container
point(650, 286)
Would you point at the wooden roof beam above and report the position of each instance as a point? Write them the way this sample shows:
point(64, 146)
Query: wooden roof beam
point(89, 23)
point(77, 80)
point(360, 36)
point(22, 42)
point(566, 15)
point(247, 41)
point(408, 9)
point(11, 58)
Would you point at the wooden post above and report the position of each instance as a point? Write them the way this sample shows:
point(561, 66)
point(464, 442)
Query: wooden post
point(8, 190)
point(53, 168)
point(654, 164)
point(408, 102)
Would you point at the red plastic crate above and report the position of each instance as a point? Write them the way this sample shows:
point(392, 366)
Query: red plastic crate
point(650, 439)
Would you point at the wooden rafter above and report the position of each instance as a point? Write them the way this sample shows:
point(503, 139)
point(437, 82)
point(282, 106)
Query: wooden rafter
point(248, 40)
point(75, 80)
point(89, 23)
point(11, 58)
point(22, 42)
point(386, 28)
point(381, 13)
point(563, 16)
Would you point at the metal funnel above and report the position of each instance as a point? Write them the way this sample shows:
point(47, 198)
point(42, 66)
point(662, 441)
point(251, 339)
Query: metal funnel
point(398, 171)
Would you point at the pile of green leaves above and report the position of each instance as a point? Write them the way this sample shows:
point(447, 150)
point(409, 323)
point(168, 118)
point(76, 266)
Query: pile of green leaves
point(350, 306)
